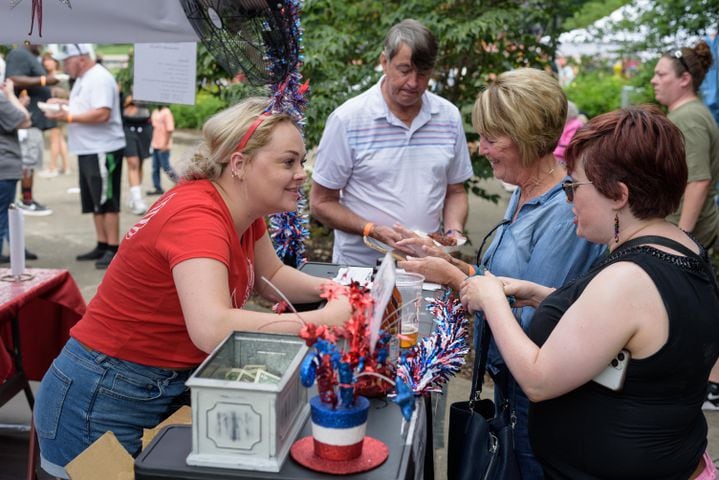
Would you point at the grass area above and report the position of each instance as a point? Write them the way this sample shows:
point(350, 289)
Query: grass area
point(113, 48)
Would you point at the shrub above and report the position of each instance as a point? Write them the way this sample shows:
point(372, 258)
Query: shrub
point(194, 116)
point(596, 92)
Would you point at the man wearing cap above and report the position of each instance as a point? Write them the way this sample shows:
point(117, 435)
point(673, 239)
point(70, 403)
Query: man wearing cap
point(96, 136)
point(28, 75)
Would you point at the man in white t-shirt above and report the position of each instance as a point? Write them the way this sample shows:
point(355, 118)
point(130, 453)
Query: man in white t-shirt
point(395, 154)
point(96, 136)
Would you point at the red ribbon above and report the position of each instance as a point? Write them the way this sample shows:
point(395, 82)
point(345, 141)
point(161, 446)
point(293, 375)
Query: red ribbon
point(36, 10)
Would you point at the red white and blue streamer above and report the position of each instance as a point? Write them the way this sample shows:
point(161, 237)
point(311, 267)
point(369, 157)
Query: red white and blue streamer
point(290, 94)
point(427, 366)
point(289, 230)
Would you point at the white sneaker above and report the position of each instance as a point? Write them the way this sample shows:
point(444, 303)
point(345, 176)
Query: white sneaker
point(47, 173)
point(138, 208)
point(711, 401)
point(33, 209)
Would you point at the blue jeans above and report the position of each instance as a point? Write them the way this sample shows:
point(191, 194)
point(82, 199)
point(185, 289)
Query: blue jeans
point(86, 393)
point(8, 189)
point(161, 159)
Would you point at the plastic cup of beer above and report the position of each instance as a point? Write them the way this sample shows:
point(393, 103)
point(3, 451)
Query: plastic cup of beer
point(409, 286)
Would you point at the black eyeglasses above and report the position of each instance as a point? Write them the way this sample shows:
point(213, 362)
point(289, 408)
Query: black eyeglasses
point(680, 56)
point(569, 187)
point(478, 260)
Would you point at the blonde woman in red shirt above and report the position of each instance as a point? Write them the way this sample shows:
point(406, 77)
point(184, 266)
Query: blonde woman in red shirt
point(178, 287)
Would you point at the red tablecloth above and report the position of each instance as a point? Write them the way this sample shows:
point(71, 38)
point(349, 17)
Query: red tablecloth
point(47, 306)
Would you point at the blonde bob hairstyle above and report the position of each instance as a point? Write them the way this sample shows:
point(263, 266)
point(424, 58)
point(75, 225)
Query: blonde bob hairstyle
point(528, 106)
point(222, 133)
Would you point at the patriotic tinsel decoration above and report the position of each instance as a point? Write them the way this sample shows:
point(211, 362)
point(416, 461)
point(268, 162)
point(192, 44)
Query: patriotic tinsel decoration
point(427, 366)
point(288, 231)
point(337, 369)
point(289, 95)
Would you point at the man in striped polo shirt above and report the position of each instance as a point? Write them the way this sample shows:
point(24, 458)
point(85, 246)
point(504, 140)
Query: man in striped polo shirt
point(395, 154)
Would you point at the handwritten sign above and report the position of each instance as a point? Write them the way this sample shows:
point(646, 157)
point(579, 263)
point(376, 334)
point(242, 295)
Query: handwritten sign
point(381, 292)
point(165, 72)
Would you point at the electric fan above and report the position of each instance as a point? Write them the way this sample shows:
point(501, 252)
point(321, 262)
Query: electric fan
point(259, 38)
point(262, 40)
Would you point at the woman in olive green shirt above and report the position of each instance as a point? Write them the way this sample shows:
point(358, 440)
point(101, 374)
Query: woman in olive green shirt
point(676, 80)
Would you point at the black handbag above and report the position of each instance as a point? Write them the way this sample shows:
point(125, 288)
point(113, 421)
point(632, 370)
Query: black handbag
point(481, 437)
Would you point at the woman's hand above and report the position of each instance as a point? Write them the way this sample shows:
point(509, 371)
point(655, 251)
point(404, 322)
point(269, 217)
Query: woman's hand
point(476, 292)
point(337, 310)
point(525, 293)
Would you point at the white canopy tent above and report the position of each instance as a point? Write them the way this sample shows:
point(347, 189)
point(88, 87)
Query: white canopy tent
point(601, 39)
point(96, 21)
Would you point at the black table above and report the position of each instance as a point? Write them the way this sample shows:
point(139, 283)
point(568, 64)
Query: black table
point(164, 458)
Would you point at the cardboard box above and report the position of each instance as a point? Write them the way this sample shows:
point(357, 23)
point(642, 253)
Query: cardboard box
point(107, 459)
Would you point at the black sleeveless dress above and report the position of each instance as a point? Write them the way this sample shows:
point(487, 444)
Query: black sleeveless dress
point(654, 427)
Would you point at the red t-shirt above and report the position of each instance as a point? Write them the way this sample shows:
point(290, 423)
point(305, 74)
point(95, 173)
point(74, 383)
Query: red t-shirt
point(136, 314)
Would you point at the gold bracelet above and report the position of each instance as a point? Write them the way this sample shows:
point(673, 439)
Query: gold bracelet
point(43, 80)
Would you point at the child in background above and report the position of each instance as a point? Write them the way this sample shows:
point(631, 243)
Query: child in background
point(163, 124)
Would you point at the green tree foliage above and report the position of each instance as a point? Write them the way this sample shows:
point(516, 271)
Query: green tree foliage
point(596, 92)
point(478, 40)
point(666, 18)
point(592, 11)
point(194, 116)
point(665, 24)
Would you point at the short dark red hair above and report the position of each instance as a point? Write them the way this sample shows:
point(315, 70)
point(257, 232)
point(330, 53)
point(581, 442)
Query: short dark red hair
point(640, 147)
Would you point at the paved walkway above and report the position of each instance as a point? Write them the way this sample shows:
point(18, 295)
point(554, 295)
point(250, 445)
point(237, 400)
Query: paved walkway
point(58, 238)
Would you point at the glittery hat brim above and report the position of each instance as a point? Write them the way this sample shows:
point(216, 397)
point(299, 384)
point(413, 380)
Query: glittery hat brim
point(374, 453)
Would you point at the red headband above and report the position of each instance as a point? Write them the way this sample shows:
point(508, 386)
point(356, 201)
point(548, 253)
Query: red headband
point(248, 134)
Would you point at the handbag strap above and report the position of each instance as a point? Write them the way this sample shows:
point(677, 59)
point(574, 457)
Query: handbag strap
point(480, 363)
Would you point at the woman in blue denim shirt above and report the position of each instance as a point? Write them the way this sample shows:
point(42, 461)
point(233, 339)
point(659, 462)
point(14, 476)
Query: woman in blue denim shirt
point(519, 118)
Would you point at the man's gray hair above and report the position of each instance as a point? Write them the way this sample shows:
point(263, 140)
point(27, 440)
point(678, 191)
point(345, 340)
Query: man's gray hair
point(418, 38)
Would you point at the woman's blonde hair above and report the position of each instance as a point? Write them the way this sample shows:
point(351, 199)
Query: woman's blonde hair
point(222, 133)
point(528, 106)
